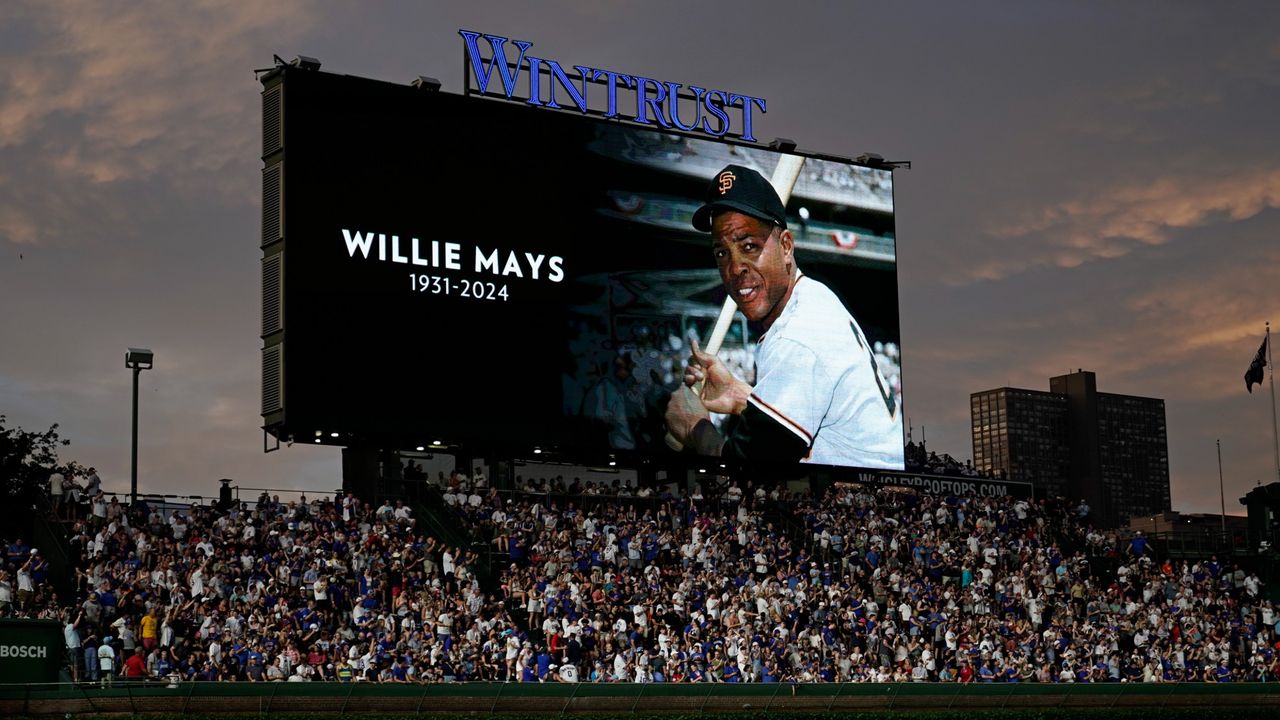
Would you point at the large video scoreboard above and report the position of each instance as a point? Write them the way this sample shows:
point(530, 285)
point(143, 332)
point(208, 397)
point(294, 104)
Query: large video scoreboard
point(445, 268)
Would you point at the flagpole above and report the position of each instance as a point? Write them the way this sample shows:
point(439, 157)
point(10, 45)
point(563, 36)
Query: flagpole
point(1275, 436)
point(1222, 497)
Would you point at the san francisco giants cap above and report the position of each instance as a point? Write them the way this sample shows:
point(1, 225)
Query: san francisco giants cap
point(742, 189)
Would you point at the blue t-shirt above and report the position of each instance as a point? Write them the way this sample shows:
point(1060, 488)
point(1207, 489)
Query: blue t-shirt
point(1138, 545)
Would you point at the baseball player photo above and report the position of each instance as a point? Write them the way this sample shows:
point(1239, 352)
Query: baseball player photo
point(818, 394)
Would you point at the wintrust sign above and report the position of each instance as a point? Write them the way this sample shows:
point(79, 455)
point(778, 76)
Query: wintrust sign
point(642, 99)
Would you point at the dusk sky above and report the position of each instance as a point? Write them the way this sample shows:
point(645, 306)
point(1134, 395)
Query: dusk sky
point(1094, 185)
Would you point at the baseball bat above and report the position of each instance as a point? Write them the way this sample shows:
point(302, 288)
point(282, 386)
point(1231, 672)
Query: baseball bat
point(783, 182)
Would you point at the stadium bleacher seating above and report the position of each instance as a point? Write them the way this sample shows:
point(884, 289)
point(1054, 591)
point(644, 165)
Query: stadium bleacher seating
point(558, 580)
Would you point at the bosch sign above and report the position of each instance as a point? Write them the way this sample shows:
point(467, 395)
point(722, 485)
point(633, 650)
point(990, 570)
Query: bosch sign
point(23, 651)
point(31, 651)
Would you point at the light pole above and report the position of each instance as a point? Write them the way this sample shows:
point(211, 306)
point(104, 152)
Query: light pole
point(137, 360)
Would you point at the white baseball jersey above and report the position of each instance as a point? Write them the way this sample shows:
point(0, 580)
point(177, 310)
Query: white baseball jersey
point(816, 376)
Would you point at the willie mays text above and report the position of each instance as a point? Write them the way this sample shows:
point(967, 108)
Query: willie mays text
point(449, 256)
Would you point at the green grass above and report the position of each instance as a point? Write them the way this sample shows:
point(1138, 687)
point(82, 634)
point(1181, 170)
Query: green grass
point(1167, 713)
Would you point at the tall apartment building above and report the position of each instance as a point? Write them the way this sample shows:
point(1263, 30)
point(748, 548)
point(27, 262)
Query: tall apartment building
point(1109, 450)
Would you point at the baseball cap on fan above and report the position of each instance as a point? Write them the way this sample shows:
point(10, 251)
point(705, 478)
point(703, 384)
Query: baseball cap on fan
point(744, 190)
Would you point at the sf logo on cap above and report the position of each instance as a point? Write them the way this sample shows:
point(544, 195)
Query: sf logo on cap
point(726, 181)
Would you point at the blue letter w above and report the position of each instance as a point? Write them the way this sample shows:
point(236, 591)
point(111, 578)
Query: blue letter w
point(498, 59)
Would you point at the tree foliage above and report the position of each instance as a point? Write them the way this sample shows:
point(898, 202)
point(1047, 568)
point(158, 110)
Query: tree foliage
point(27, 459)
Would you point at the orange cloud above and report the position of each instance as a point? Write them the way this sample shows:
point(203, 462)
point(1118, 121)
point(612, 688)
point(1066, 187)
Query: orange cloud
point(113, 92)
point(1112, 221)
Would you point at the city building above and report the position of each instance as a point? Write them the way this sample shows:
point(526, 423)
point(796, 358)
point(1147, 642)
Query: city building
point(1106, 449)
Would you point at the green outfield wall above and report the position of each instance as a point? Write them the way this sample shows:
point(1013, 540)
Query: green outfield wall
point(471, 699)
point(31, 651)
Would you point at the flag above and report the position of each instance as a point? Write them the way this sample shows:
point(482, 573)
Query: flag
point(1254, 373)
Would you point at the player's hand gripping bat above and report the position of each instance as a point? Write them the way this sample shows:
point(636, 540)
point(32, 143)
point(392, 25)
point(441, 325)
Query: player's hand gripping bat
point(783, 182)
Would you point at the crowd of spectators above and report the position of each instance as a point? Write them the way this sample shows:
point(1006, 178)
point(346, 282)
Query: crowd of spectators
point(920, 459)
point(863, 585)
point(304, 590)
point(589, 582)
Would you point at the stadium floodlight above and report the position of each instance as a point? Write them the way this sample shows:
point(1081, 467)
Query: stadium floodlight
point(137, 360)
point(305, 63)
point(424, 82)
point(421, 448)
point(876, 160)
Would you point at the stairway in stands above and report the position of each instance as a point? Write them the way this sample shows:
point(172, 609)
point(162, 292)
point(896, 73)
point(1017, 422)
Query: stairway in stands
point(434, 520)
point(53, 537)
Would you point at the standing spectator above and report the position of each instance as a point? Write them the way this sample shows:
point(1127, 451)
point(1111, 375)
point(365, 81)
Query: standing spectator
point(123, 627)
point(56, 491)
point(92, 670)
point(98, 505)
point(135, 667)
point(6, 593)
point(92, 484)
point(1137, 545)
point(71, 634)
point(150, 629)
point(106, 661)
point(26, 587)
point(72, 494)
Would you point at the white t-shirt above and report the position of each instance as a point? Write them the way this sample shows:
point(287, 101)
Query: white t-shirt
point(106, 658)
point(816, 375)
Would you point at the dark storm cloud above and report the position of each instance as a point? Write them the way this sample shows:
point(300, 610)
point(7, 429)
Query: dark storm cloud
point(1095, 185)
